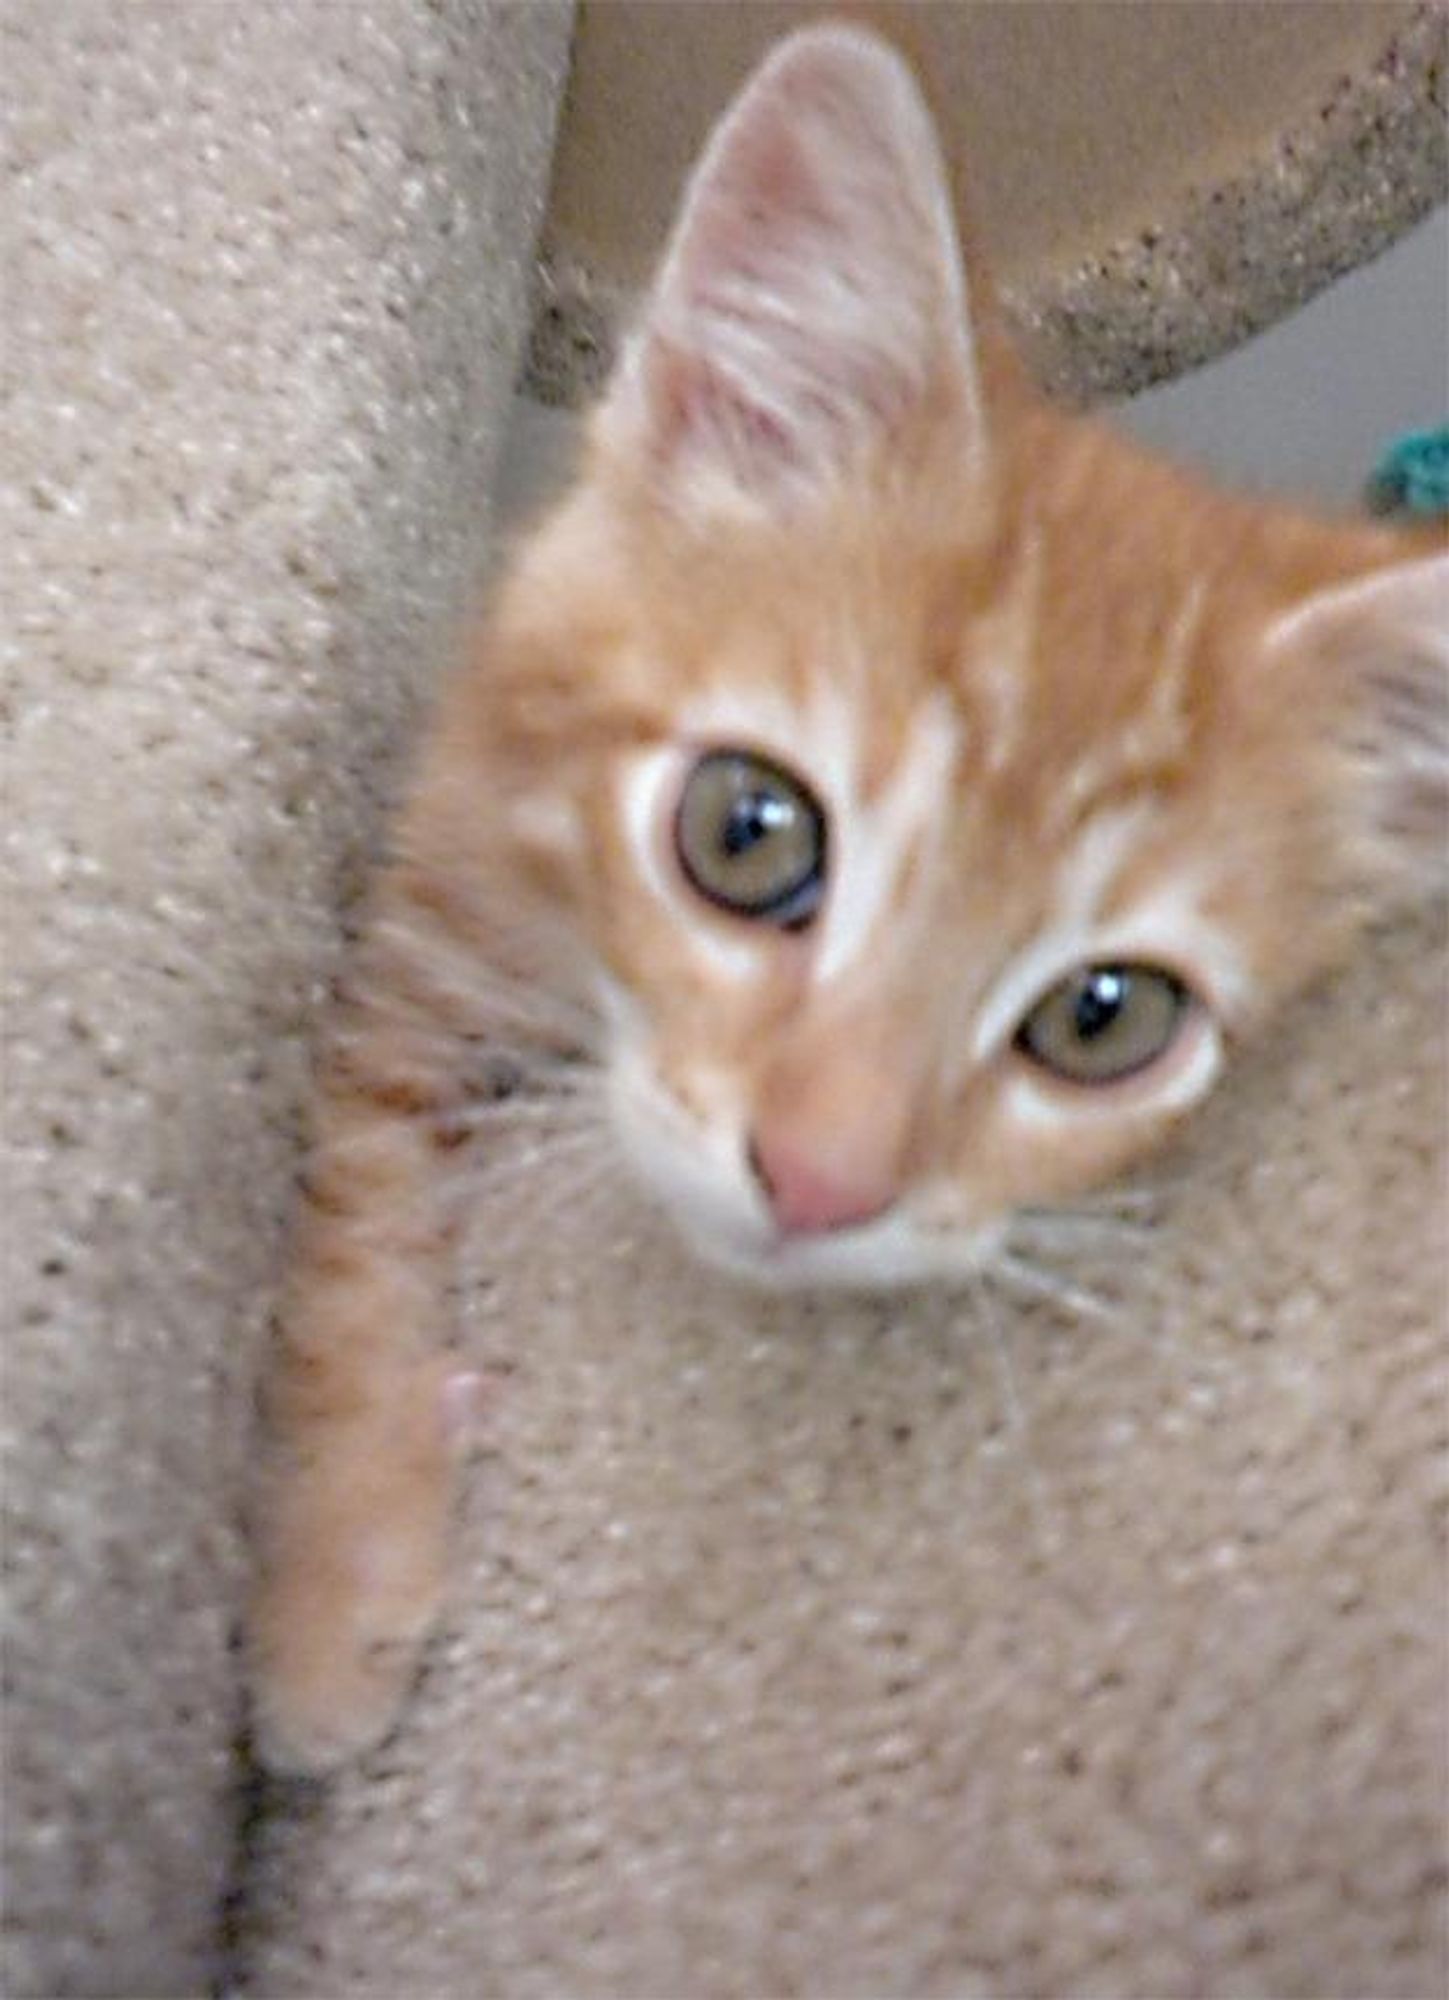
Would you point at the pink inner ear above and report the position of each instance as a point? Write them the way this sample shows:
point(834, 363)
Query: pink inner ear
point(774, 179)
point(1384, 638)
point(465, 1398)
point(813, 289)
point(691, 399)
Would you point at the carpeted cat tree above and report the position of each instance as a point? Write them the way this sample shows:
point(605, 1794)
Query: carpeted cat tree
point(265, 283)
point(861, 1649)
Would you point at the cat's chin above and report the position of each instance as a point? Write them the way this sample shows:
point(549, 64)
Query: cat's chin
point(890, 1255)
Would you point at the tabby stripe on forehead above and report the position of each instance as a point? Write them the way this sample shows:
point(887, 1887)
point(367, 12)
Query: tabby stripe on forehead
point(873, 843)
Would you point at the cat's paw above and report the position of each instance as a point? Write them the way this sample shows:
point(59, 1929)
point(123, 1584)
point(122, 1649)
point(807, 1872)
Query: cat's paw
point(352, 1576)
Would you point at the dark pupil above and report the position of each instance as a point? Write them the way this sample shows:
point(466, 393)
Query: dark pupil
point(1101, 1000)
point(752, 818)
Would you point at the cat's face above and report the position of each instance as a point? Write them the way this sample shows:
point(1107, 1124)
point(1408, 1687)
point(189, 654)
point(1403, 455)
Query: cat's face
point(936, 788)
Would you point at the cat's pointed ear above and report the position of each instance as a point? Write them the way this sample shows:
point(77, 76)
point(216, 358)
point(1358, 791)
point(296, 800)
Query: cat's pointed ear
point(811, 306)
point(1383, 641)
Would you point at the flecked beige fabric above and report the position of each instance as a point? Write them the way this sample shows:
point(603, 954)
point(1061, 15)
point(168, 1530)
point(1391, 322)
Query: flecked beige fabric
point(263, 286)
point(796, 1648)
point(863, 1650)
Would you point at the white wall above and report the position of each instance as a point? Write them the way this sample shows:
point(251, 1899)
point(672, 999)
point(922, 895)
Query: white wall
point(1307, 407)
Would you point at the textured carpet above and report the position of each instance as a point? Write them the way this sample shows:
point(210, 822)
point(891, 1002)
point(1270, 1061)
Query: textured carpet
point(855, 1650)
point(264, 276)
point(794, 1650)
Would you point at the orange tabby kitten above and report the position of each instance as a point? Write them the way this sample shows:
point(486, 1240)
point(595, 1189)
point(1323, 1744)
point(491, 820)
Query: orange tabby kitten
point(905, 793)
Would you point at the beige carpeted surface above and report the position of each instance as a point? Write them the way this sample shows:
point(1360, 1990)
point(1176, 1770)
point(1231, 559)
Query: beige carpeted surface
point(841, 1650)
point(820, 1650)
point(263, 287)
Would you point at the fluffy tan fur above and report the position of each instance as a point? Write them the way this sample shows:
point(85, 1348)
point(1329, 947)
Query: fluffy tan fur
point(1138, 694)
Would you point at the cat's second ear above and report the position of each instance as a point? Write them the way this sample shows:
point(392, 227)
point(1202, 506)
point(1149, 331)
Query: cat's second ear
point(1382, 642)
point(811, 308)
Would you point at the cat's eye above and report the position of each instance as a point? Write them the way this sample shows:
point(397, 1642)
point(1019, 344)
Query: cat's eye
point(1105, 1022)
point(751, 838)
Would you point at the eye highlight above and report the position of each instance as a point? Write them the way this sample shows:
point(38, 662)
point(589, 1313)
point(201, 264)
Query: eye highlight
point(1105, 1022)
point(751, 839)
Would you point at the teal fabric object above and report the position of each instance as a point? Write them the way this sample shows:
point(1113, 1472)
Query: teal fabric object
point(1412, 477)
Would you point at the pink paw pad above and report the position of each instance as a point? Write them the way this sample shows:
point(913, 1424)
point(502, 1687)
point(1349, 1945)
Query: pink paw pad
point(466, 1394)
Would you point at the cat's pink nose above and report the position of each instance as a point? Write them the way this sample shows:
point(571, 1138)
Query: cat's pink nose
point(808, 1196)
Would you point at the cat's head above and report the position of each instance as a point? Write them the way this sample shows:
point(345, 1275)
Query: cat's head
point(937, 787)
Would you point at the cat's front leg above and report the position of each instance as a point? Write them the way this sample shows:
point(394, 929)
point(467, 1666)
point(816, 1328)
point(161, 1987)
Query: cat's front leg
point(365, 1407)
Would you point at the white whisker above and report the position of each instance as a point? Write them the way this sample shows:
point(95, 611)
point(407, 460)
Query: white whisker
point(529, 1156)
point(448, 972)
point(1042, 1524)
point(1070, 1225)
point(542, 1147)
point(594, 1181)
point(557, 1198)
point(558, 1076)
point(1146, 1201)
point(545, 1110)
point(1037, 1283)
point(568, 1173)
point(1031, 1277)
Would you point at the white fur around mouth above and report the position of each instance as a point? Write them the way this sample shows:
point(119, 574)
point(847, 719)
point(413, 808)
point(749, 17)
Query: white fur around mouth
point(697, 1176)
point(890, 1254)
